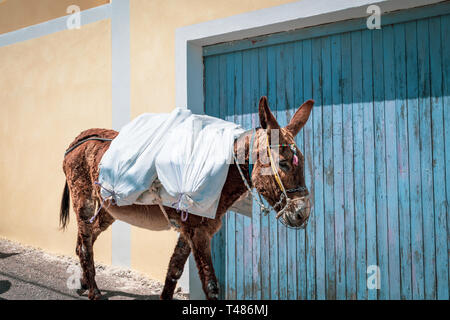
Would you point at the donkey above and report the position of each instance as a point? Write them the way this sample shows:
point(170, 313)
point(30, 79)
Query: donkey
point(284, 189)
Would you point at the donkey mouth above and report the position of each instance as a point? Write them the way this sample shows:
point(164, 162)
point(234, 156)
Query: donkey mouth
point(288, 220)
point(298, 217)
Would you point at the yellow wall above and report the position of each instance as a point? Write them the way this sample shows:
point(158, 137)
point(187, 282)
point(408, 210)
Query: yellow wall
point(153, 25)
point(52, 88)
point(17, 14)
point(58, 85)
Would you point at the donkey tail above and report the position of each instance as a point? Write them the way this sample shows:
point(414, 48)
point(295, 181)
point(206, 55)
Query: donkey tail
point(65, 205)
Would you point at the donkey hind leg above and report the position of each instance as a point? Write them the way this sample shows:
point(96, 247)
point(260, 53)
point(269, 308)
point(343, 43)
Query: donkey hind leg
point(83, 279)
point(201, 248)
point(85, 246)
point(176, 265)
point(101, 223)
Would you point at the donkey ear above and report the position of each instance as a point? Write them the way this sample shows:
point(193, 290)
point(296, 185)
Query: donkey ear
point(266, 118)
point(300, 117)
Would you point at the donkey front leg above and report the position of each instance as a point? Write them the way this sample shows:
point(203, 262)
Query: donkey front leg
point(201, 248)
point(176, 266)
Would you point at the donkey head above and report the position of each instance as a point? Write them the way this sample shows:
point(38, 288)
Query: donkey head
point(280, 165)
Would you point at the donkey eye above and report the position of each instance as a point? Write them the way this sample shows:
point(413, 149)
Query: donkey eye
point(284, 165)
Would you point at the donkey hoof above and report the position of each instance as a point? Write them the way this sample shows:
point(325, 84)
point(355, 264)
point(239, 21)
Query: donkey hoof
point(84, 285)
point(164, 296)
point(94, 295)
point(213, 296)
point(213, 290)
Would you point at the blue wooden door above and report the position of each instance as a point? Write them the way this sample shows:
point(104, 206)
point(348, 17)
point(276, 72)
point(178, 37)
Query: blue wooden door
point(377, 150)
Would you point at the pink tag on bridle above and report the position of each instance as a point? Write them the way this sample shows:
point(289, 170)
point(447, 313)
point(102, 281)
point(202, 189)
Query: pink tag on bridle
point(295, 160)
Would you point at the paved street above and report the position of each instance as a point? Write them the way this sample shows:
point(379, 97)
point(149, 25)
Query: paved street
point(27, 273)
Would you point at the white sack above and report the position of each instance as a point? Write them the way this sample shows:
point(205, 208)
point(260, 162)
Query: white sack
point(193, 163)
point(190, 155)
point(128, 167)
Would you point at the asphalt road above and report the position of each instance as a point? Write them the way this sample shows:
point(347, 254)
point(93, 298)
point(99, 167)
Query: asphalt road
point(30, 274)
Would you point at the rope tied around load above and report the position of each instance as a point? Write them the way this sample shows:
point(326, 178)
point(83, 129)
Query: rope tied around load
point(112, 200)
point(182, 198)
point(155, 189)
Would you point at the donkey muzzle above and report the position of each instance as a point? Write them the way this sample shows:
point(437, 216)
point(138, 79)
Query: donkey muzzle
point(297, 213)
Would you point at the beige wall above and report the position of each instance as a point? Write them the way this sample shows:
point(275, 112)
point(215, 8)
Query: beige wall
point(52, 88)
point(58, 85)
point(153, 25)
point(17, 14)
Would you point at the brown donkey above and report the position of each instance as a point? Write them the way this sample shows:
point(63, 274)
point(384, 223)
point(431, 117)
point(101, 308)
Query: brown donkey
point(283, 188)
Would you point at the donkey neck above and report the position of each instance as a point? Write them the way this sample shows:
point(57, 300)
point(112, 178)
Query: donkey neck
point(234, 187)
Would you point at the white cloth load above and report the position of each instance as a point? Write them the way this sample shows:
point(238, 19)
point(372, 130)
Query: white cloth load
point(189, 154)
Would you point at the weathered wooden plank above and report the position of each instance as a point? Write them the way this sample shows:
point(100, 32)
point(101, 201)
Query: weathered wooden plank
point(256, 256)
point(391, 163)
point(247, 124)
point(248, 267)
point(240, 269)
point(318, 168)
point(209, 64)
point(426, 158)
point(279, 110)
point(256, 217)
point(380, 165)
point(265, 241)
point(273, 225)
point(231, 256)
point(291, 233)
point(445, 38)
point(239, 236)
point(208, 84)
point(403, 161)
point(231, 216)
point(348, 167)
point(327, 98)
point(338, 165)
point(369, 155)
point(212, 103)
point(417, 268)
point(358, 165)
point(212, 107)
point(437, 125)
point(309, 174)
point(298, 100)
point(220, 236)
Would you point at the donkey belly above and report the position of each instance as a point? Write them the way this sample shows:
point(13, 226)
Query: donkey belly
point(142, 216)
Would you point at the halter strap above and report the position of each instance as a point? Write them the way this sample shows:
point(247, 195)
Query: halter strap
point(274, 169)
point(265, 210)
